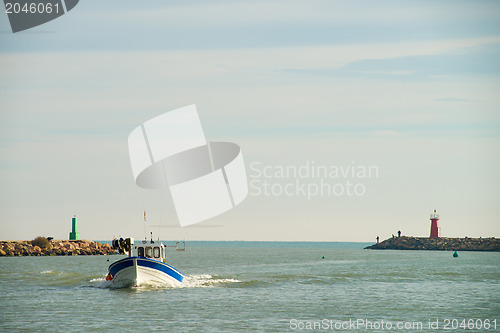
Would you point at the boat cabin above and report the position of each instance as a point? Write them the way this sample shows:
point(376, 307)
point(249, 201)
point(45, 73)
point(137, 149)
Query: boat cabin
point(151, 251)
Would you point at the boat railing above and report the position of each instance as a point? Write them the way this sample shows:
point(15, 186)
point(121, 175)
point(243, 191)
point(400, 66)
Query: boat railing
point(180, 249)
point(176, 246)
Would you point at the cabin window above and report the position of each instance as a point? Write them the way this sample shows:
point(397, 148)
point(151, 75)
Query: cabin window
point(149, 252)
point(156, 252)
point(140, 252)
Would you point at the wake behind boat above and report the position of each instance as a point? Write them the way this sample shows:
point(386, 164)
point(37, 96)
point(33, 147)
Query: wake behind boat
point(147, 265)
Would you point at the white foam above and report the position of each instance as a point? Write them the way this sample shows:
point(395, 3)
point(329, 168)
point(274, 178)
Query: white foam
point(204, 281)
point(97, 280)
point(52, 272)
point(105, 284)
point(102, 283)
point(190, 281)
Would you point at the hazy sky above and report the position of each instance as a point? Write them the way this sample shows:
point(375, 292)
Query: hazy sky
point(411, 88)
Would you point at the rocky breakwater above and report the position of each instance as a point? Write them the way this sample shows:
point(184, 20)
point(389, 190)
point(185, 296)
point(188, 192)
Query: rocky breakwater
point(39, 247)
point(442, 243)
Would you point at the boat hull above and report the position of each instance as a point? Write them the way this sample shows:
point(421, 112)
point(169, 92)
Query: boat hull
point(137, 271)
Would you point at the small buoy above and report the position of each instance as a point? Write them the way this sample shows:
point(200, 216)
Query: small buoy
point(323, 257)
point(109, 277)
point(455, 254)
point(108, 259)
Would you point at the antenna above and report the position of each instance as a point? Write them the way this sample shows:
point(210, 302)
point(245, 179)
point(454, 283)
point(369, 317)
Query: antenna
point(161, 218)
point(145, 232)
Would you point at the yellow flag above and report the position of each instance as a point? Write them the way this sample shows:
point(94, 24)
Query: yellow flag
point(144, 216)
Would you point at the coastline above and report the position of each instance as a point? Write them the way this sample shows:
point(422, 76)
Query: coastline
point(491, 244)
point(55, 248)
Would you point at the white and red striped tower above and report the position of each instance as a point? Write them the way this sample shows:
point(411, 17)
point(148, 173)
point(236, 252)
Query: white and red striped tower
point(435, 229)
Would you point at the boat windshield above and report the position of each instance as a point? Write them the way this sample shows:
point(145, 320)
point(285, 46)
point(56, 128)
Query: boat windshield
point(149, 252)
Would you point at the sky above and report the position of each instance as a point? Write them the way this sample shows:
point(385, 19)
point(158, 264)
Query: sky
point(409, 89)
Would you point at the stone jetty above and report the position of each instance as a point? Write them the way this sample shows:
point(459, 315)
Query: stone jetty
point(54, 248)
point(441, 243)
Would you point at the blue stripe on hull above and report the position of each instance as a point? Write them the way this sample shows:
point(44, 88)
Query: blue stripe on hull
point(158, 265)
point(119, 265)
point(145, 262)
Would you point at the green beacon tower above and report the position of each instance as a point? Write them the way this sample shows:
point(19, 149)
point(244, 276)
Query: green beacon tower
point(74, 235)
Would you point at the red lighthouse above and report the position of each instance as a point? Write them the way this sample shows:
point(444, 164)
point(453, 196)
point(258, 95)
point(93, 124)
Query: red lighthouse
point(435, 230)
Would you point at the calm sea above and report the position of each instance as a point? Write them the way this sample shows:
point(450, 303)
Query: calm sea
point(260, 287)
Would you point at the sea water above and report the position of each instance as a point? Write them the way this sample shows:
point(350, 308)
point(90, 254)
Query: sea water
point(259, 287)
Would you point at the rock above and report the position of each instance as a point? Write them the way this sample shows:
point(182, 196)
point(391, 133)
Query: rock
point(59, 248)
point(421, 243)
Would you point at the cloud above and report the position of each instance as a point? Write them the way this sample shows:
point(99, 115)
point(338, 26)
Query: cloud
point(194, 25)
point(453, 99)
point(387, 133)
point(288, 81)
point(479, 59)
point(287, 90)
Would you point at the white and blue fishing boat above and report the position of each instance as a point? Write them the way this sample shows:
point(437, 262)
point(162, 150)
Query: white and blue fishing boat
point(145, 265)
